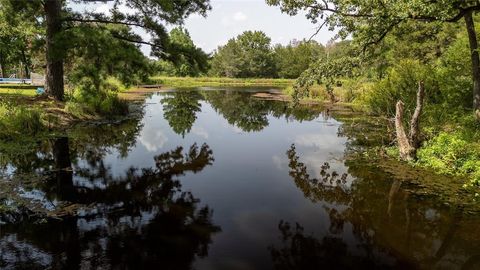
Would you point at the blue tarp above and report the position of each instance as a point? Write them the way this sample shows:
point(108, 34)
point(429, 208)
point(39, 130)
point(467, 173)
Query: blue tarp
point(40, 91)
point(14, 80)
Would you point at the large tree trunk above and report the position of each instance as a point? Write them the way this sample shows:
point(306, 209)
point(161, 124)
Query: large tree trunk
point(472, 38)
point(54, 73)
point(408, 145)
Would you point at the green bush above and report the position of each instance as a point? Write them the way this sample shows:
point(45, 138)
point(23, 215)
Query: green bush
point(452, 153)
point(114, 84)
point(353, 90)
point(77, 109)
point(454, 74)
point(401, 83)
point(97, 97)
point(16, 119)
point(111, 104)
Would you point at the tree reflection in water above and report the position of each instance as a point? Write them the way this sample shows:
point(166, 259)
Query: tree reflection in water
point(302, 251)
point(251, 114)
point(180, 110)
point(391, 228)
point(239, 108)
point(139, 220)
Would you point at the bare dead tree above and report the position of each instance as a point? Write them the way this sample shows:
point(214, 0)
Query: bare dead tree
point(408, 145)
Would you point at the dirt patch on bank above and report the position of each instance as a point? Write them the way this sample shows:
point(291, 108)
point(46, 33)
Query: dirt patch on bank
point(272, 96)
point(140, 93)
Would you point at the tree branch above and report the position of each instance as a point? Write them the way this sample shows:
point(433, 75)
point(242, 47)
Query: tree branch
point(153, 45)
point(318, 30)
point(103, 22)
point(382, 36)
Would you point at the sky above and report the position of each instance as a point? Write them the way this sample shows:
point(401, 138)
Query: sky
point(229, 18)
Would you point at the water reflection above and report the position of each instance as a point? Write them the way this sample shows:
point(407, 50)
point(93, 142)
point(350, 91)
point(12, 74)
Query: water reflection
point(300, 250)
point(251, 114)
point(141, 193)
point(390, 226)
point(237, 107)
point(141, 219)
point(180, 109)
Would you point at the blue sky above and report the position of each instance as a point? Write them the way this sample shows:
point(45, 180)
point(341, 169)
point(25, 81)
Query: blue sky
point(229, 18)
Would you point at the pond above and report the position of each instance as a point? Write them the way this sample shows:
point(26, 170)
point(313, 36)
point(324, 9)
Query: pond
point(221, 179)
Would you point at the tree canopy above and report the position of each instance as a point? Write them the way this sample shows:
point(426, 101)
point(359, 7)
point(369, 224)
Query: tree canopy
point(183, 58)
point(296, 57)
point(57, 21)
point(247, 55)
point(370, 21)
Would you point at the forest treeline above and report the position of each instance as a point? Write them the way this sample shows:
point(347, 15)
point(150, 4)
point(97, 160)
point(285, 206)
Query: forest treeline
point(249, 55)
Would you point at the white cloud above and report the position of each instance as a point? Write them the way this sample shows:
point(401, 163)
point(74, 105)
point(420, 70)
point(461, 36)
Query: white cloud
point(239, 17)
point(124, 9)
point(152, 139)
point(321, 141)
point(200, 132)
point(103, 8)
point(278, 162)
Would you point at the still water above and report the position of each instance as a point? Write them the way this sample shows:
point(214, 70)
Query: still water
point(219, 179)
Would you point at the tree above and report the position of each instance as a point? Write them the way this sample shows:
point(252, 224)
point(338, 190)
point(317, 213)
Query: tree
point(296, 57)
point(326, 70)
point(225, 61)
point(98, 56)
point(58, 20)
point(248, 55)
point(370, 21)
point(18, 39)
point(184, 58)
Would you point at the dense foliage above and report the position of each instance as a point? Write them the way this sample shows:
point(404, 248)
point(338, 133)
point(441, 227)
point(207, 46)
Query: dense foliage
point(251, 55)
point(54, 22)
point(184, 58)
point(248, 55)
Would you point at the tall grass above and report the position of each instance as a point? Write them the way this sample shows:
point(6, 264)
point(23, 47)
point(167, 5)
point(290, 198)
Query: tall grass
point(18, 119)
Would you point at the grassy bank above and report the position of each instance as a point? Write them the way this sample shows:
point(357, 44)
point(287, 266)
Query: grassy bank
point(212, 81)
point(18, 90)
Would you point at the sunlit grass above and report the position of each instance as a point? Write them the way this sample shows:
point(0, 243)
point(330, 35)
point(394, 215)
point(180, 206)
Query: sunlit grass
point(17, 89)
point(216, 81)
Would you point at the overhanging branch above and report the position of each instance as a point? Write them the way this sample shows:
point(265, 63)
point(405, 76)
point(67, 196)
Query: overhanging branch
point(103, 22)
point(153, 45)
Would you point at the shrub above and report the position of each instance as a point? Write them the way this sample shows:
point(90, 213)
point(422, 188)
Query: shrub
point(353, 90)
point(401, 83)
point(114, 84)
point(97, 97)
point(452, 153)
point(76, 109)
point(111, 104)
point(16, 119)
point(454, 74)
